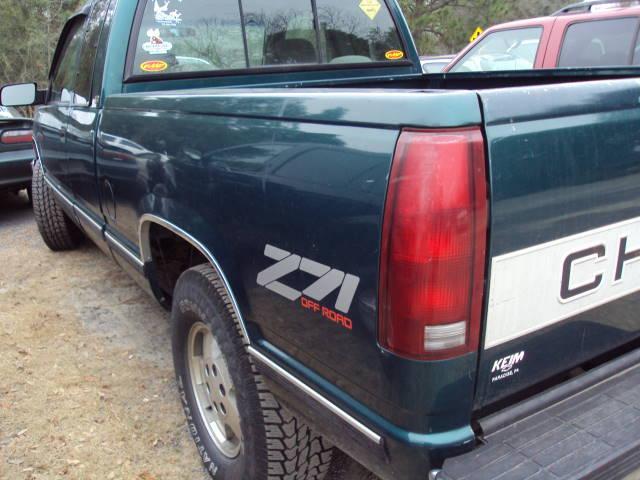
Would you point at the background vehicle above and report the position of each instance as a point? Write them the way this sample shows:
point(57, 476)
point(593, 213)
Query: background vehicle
point(16, 151)
point(591, 34)
point(435, 64)
point(355, 254)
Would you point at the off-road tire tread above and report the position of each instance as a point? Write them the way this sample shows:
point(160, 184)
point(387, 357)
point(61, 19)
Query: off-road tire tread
point(294, 451)
point(57, 230)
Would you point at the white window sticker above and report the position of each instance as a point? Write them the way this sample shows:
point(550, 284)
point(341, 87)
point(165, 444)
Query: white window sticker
point(166, 17)
point(156, 45)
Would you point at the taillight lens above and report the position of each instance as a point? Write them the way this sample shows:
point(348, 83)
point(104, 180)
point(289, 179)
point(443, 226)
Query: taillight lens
point(434, 245)
point(16, 136)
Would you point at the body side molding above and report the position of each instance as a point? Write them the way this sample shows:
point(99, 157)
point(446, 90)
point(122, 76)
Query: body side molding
point(109, 238)
point(113, 241)
point(332, 407)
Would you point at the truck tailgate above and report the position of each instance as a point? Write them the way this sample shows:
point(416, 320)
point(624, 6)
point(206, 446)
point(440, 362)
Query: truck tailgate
point(565, 230)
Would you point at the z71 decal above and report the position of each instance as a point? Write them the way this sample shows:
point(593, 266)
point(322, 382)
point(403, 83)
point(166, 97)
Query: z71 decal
point(546, 284)
point(328, 281)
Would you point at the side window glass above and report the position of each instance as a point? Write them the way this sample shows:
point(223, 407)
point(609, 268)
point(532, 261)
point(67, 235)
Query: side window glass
point(636, 52)
point(601, 43)
point(280, 32)
point(353, 32)
point(188, 36)
point(101, 54)
point(64, 76)
point(93, 27)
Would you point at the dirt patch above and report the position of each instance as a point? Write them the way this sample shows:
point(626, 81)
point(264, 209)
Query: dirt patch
point(86, 376)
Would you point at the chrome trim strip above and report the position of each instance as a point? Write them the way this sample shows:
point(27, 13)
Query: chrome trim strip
point(88, 218)
point(145, 251)
point(58, 191)
point(359, 426)
point(37, 149)
point(122, 248)
point(108, 236)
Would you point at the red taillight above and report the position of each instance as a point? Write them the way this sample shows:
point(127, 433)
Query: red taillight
point(433, 245)
point(16, 136)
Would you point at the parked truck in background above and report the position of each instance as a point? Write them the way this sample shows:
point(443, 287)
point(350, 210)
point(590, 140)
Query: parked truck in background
point(437, 275)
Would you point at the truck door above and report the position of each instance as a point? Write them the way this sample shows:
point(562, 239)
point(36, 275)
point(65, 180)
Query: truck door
point(53, 117)
point(84, 113)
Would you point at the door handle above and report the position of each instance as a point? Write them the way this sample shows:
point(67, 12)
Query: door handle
point(63, 132)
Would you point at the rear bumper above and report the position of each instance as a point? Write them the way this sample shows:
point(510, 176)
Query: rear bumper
point(15, 169)
point(586, 428)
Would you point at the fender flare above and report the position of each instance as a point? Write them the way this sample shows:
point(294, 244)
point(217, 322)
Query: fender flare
point(145, 252)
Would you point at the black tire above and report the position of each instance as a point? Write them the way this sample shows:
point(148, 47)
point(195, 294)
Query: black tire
point(56, 229)
point(275, 444)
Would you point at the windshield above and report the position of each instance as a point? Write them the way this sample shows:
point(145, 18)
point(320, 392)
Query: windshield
point(502, 50)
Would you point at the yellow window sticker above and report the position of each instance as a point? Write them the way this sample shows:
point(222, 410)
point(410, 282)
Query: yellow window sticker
point(394, 55)
point(370, 8)
point(154, 66)
point(474, 36)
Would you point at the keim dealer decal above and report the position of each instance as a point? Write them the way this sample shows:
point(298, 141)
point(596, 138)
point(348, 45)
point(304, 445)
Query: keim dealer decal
point(165, 17)
point(328, 281)
point(156, 45)
point(506, 366)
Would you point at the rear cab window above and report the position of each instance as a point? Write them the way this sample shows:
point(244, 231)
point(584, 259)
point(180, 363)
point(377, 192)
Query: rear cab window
point(600, 43)
point(502, 50)
point(177, 37)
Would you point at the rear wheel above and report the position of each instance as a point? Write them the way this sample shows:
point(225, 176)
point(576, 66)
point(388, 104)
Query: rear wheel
point(240, 429)
point(56, 229)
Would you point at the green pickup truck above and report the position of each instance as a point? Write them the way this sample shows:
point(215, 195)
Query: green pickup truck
point(438, 275)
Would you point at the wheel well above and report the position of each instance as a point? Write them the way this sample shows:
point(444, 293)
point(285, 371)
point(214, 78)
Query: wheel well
point(171, 255)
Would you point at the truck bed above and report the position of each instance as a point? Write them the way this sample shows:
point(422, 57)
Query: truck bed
point(594, 433)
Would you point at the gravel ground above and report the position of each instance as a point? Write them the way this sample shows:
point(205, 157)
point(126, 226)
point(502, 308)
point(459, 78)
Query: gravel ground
point(86, 377)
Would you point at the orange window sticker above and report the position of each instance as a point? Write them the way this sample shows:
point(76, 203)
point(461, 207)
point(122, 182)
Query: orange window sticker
point(394, 55)
point(154, 66)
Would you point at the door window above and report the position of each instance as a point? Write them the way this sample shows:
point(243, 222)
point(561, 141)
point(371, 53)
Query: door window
point(193, 35)
point(63, 81)
point(600, 43)
point(93, 28)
